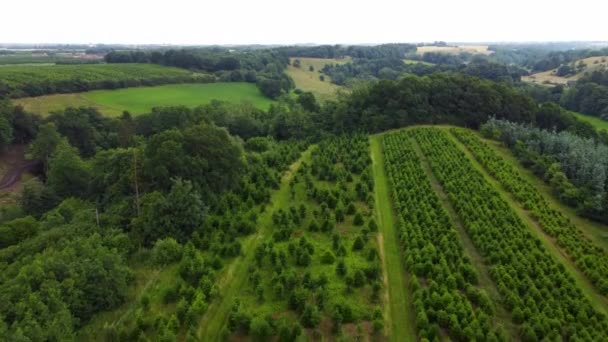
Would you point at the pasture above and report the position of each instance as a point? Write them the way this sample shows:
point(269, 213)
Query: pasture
point(551, 78)
point(142, 99)
point(308, 80)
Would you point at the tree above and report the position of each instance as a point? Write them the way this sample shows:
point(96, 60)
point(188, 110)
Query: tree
point(68, 174)
point(6, 132)
point(296, 63)
point(166, 251)
point(259, 329)
point(45, 143)
point(358, 219)
point(176, 215)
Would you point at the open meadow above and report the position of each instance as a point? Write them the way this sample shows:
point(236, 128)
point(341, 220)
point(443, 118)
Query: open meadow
point(308, 79)
point(474, 49)
point(550, 77)
point(142, 99)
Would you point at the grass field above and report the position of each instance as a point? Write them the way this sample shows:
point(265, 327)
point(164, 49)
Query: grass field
point(595, 121)
point(413, 61)
point(309, 80)
point(474, 49)
point(141, 99)
point(400, 318)
point(549, 77)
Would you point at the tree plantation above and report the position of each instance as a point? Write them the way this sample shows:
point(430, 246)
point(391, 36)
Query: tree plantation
point(433, 197)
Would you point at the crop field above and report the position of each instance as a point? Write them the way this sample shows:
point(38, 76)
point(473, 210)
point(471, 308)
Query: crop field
point(309, 80)
point(141, 99)
point(550, 77)
point(24, 80)
point(474, 49)
point(38, 58)
point(465, 214)
point(320, 260)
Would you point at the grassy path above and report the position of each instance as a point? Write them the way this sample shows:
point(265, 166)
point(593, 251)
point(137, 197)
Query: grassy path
point(235, 277)
point(485, 281)
point(598, 301)
point(399, 312)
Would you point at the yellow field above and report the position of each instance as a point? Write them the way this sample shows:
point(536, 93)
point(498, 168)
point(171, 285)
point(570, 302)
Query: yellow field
point(309, 80)
point(550, 78)
point(474, 49)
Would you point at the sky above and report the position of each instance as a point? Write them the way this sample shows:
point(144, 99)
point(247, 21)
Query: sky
point(192, 22)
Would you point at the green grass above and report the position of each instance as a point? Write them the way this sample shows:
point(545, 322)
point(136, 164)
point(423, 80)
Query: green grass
point(234, 279)
point(598, 301)
point(400, 318)
point(413, 61)
point(307, 80)
point(595, 121)
point(142, 99)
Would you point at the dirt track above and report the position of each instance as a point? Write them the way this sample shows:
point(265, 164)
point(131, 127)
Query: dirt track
point(13, 176)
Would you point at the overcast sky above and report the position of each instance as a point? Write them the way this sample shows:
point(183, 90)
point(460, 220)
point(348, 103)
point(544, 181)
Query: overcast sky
point(306, 21)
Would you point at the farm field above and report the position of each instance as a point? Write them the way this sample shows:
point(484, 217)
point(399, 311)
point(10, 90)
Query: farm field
point(426, 166)
point(141, 99)
point(474, 49)
point(307, 80)
point(320, 260)
point(33, 58)
point(550, 77)
point(24, 80)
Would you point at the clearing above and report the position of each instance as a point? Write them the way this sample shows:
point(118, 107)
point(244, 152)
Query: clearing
point(142, 99)
point(474, 49)
point(551, 78)
point(308, 80)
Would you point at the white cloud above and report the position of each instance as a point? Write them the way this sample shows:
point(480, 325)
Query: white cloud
point(312, 21)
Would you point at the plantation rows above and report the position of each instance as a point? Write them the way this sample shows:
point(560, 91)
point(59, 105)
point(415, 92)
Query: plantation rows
point(321, 262)
point(592, 260)
point(174, 307)
point(445, 289)
point(21, 81)
point(542, 298)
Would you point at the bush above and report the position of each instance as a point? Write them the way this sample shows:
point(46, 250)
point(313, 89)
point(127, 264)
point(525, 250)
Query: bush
point(166, 251)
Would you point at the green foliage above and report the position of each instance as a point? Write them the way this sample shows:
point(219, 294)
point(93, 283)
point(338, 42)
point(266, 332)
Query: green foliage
point(175, 215)
point(479, 206)
point(68, 174)
point(166, 251)
point(590, 258)
point(21, 81)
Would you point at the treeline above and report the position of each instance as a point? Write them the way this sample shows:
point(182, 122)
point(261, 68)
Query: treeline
point(355, 51)
point(263, 67)
point(576, 167)
point(440, 98)
point(542, 57)
point(394, 68)
point(589, 95)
